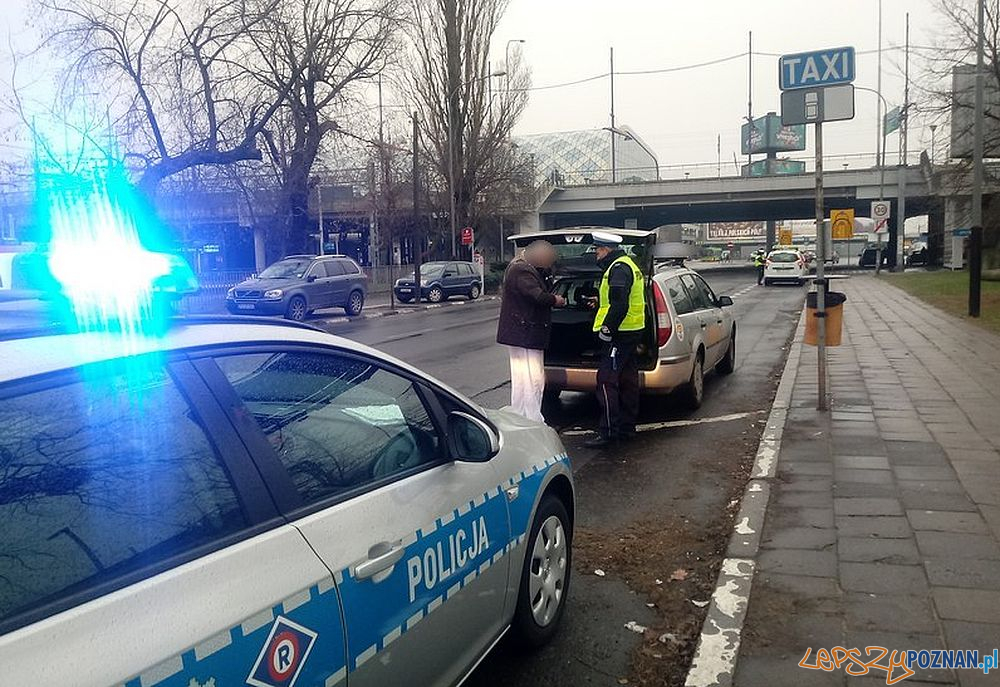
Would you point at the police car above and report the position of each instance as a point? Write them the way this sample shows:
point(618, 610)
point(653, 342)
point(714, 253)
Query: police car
point(240, 502)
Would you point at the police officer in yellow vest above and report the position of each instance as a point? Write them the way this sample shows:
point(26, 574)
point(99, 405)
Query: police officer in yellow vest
point(619, 323)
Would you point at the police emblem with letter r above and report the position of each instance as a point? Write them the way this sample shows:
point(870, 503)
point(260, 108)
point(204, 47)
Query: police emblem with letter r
point(283, 655)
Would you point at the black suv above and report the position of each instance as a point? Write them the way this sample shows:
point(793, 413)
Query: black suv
point(297, 285)
point(441, 280)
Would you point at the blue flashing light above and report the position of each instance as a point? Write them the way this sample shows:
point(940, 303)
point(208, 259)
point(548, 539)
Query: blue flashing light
point(97, 261)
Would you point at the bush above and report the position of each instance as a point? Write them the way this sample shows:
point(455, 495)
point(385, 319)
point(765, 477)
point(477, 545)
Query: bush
point(492, 281)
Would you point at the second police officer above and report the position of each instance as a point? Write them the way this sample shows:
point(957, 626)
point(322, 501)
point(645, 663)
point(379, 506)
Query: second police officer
point(619, 323)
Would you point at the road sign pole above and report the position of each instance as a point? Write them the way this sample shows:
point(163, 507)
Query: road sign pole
point(820, 281)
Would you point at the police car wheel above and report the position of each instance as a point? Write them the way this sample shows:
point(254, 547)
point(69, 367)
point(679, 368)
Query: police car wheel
point(545, 577)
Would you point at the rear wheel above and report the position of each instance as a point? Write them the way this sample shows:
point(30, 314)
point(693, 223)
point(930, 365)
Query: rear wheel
point(767, 282)
point(694, 390)
point(541, 597)
point(296, 309)
point(728, 363)
point(355, 303)
point(474, 292)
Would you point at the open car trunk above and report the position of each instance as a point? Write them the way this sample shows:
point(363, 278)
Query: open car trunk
point(574, 344)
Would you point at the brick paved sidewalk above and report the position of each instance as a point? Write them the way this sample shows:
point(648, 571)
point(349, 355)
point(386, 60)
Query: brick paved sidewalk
point(884, 519)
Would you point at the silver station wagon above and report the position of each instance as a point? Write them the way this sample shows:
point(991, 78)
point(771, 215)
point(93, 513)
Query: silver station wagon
point(689, 329)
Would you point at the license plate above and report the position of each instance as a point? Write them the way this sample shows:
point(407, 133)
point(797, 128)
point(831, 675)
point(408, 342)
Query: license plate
point(405, 290)
point(244, 306)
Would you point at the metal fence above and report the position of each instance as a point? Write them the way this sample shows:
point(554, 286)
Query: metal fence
point(722, 169)
point(211, 297)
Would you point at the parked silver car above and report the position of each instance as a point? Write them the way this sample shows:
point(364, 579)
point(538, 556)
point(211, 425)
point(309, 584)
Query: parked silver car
point(690, 330)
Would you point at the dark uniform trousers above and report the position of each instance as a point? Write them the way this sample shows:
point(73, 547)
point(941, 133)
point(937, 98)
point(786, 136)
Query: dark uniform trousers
point(618, 388)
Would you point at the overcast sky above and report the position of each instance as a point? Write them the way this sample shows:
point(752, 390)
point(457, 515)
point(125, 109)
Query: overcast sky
point(681, 114)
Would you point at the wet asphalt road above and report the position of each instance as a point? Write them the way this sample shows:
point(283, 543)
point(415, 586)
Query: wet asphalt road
point(667, 473)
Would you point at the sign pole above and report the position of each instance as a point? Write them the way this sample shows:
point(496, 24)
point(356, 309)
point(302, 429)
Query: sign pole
point(820, 281)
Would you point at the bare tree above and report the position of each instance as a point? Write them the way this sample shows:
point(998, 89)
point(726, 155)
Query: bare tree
point(466, 125)
point(176, 74)
point(940, 100)
point(316, 52)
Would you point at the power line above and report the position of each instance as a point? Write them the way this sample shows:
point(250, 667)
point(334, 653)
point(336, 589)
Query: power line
point(699, 65)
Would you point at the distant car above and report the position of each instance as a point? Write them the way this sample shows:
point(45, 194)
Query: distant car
point(441, 280)
point(917, 254)
point(689, 330)
point(785, 265)
point(869, 257)
point(299, 284)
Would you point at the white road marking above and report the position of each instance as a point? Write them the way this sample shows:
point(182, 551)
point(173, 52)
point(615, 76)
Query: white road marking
point(652, 427)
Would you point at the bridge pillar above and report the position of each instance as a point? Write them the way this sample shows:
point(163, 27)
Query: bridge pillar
point(771, 233)
point(935, 232)
point(259, 253)
point(957, 215)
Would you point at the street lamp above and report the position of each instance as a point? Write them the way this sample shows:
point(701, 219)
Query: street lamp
point(629, 137)
point(451, 151)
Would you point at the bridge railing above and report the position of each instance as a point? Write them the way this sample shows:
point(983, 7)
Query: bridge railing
point(718, 170)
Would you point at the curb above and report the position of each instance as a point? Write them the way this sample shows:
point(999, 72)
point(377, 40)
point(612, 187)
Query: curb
point(714, 662)
point(399, 313)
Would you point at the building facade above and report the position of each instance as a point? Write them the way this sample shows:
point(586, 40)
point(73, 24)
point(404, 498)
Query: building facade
point(582, 157)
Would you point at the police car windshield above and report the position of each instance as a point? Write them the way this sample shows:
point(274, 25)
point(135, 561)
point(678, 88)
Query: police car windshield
point(286, 269)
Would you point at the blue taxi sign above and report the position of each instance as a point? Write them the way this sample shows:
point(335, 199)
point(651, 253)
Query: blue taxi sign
point(816, 68)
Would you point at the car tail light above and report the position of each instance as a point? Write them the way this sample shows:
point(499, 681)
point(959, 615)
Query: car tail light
point(664, 326)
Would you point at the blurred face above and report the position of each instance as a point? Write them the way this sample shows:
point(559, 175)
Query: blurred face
point(542, 257)
point(602, 252)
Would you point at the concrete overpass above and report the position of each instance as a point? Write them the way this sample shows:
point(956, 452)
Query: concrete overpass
point(650, 204)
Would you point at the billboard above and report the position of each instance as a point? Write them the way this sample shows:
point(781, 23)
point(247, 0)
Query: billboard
point(767, 135)
point(773, 167)
point(736, 231)
point(963, 98)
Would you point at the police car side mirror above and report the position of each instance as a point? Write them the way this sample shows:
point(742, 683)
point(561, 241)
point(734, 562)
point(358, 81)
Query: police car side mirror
point(724, 301)
point(470, 439)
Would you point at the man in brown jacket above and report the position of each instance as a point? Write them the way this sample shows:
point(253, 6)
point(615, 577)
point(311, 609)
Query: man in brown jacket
point(526, 324)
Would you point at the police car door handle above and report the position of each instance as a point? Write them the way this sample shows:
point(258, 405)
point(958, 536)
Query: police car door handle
point(379, 559)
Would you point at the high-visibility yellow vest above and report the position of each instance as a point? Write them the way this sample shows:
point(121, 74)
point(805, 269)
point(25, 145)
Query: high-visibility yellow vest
point(635, 319)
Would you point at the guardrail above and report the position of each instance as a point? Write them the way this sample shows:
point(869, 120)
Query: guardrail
point(716, 170)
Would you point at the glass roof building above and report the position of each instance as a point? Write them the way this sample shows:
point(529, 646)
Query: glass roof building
point(582, 157)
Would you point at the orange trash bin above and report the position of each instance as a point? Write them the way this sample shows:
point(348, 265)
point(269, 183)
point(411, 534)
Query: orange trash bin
point(834, 307)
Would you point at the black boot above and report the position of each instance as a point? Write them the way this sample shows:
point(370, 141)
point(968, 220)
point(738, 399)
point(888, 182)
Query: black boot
point(600, 441)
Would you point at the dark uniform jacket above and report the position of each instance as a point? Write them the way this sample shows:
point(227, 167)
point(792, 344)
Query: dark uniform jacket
point(525, 308)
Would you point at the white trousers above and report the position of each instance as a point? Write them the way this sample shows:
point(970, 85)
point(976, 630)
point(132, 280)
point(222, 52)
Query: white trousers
point(527, 381)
